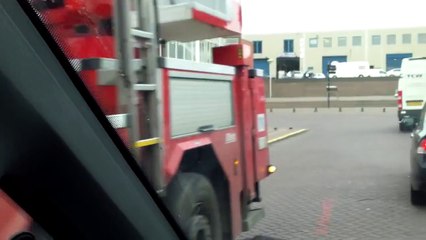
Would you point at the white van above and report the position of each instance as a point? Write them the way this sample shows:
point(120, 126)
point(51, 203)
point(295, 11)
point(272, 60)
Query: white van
point(411, 92)
point(351, 69)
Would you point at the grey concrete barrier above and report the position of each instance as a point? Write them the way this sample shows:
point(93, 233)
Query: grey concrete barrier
point(346, 87)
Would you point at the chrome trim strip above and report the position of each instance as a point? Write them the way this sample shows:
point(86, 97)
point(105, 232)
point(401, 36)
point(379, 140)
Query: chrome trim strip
point(144, 87)
point(179, 64)
point(102, 64)
point(201, 76)
point(141, 34)
point(198, 133)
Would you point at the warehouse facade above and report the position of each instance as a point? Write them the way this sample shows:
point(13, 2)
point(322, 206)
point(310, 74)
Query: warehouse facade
point(382, 48)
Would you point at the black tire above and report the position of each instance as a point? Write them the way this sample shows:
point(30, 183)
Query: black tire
point(417, 197)
point(192, 201)
point(361, 76)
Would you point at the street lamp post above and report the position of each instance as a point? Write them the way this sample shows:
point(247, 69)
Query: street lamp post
point(270, 77)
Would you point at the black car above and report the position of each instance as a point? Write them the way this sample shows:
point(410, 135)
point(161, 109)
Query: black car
point(418, 161)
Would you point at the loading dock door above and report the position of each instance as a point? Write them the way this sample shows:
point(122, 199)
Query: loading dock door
point(262, 64)
point(328, 59)
point(394, 60)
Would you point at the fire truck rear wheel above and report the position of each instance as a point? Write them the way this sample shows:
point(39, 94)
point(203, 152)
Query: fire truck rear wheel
point(192, 201)
point(402, 127)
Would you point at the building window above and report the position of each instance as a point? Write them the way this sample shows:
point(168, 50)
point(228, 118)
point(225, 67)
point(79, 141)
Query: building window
point(189, 53)
point(205, 48)
point(391, 39)
point(406, 38)
point(327, 42)
point(375, 40)
point(171, 49)
point(257, 46)
point(288, 45)
point(313, 42)
point(341, 41)
point(356, 41)
point(421, 38)
point(180, 51)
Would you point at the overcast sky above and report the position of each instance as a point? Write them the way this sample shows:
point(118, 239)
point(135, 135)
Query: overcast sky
point(279, 16)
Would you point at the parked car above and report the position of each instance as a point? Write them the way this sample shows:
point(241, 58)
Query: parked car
point(418, 161)
point(308, 74)
point(295, 74)
point(396, 72)
point(281, 75)
point(318, 76)
point(376, 73)
point(312, 75)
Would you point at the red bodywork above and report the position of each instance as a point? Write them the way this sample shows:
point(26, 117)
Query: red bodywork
point(248, 102)
point(13, 219)
point(235, 55)
point(243, 160)
point(251, 105)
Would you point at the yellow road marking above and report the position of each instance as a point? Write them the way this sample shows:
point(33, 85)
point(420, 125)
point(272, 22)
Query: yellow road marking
point(146, 142)
point(288, 135)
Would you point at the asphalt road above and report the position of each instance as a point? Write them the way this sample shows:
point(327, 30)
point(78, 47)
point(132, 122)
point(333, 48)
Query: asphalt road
point(346, 178)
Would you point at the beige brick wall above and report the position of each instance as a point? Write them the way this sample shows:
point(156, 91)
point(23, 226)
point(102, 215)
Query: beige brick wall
point(273, 45)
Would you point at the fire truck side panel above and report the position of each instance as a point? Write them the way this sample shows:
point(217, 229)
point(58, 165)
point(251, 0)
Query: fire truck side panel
point(106, 95)
point(224, 140)
point(181, 105)
point(251, 102)
point(245, 122)
point(260, 139)
point(83, 47)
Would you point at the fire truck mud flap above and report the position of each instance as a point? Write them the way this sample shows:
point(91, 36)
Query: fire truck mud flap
point(253, 216)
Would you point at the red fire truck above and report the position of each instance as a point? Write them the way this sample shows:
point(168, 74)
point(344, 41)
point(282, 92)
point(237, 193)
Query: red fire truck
point(198, 130)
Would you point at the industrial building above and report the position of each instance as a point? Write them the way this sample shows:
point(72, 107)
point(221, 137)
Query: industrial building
point(382, 48)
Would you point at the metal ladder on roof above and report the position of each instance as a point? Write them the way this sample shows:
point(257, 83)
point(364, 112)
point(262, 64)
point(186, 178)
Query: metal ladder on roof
point(142, 90)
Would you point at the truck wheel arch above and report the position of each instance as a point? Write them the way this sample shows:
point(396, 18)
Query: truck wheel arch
point(192, 200)
point(203, 160)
